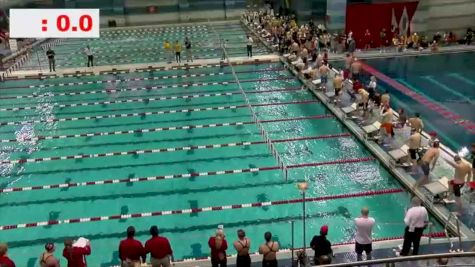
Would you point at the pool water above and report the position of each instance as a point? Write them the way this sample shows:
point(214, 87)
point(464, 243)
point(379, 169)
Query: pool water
point(265, 83)
point(145, 45)
point(446, 80)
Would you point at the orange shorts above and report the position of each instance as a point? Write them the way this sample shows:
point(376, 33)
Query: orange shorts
point(388, 127)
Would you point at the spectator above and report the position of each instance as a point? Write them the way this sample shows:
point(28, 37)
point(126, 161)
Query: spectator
point(269, 251)
point(50, 54)
point(367, 39)
point(469, 36)
point(131, 250)
point(321, 245)
point(416, 220)
point(372, 88)
point(76, 256)
point(5, 261)
point(242, 246)
point(47, 259)
point(159, 248)
point(363, 237)
point(383, 40)
point(218, 246)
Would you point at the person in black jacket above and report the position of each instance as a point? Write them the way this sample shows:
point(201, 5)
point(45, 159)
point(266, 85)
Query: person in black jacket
point(321, 245)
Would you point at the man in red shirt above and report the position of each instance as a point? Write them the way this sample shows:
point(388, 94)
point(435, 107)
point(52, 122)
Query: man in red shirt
point(131, 250)
point(159, 249)
point(76, 256)
point(4, 259)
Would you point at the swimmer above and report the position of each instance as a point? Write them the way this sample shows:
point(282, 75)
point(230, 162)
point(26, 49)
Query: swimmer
point(364, 98)
point(355, 69)
point(430, 158)
point(387, 121)
point(414, 144)
point(385, 98)
point(323, 70)
point(416, 122)
point(463, 173)
point(338, 84)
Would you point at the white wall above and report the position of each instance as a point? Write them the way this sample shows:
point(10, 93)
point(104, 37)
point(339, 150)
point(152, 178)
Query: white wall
point(444, 15)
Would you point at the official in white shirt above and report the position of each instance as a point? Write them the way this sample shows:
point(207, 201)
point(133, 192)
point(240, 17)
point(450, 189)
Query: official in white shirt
point(90, 56)
point(249, 46)
point(364, 235)
point(416, 220)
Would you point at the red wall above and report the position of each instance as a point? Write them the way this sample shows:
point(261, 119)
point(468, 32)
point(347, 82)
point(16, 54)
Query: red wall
point(374, 17)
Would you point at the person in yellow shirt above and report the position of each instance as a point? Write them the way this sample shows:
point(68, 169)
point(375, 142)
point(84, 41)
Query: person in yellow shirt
point(167, 47)
point(177, 51)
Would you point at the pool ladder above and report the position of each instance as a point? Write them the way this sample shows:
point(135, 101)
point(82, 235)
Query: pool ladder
point(453, 216)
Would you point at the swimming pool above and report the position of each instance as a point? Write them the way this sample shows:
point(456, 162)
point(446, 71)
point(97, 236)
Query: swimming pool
point(443, 92)
point(145, 45)
point(182, 152)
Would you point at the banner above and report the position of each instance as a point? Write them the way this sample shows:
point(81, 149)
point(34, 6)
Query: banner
point(394, 17)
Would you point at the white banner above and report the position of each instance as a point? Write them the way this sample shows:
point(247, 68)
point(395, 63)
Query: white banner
point(54, 23)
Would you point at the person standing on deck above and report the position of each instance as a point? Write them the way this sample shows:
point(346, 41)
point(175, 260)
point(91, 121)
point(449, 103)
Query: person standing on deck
point(168, 51)
point(269, 251)
point(76, 256)
point(364, 231)
point(218, 246)
point(131, 250)
point(189, 56)
point(463, 174)
point(47, 258)
point(416, 221)
point(416, 122)
point(430, 158)
point(321, 245)
point(177, 51)
point(5, 261)
point(414, 143)
point(50, 54)
point(159, 248)
point(249, 45)
point(242, 246)
point(90, 56)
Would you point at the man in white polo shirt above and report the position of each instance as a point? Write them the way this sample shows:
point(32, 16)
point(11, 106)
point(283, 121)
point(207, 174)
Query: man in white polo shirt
point(416, 221)
point(364, 232)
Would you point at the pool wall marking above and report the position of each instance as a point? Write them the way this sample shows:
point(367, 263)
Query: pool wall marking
point(171, 128)
point(152, 99)
point(205, 209)
point(172, 149)
point(139, 114)
point(454, 118)
point(184, 175)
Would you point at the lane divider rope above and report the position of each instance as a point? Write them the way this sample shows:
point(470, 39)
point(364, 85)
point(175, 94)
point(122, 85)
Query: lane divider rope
point(170, 149)
point(147, 100)
point(160, 129)
point(204, 209)
point(148, 113)
point(154, 87)
point(183, 175)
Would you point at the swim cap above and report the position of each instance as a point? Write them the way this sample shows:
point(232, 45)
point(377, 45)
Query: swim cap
point(324, 229)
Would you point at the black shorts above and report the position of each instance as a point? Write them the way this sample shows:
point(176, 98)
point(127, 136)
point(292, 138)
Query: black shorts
point(457, 187)
point(269, 263)
point(337, 91)
point(425, 168)
point(412, 153)
point(359, 248)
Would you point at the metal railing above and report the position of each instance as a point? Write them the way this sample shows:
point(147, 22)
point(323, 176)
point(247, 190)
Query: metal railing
point(388, 261)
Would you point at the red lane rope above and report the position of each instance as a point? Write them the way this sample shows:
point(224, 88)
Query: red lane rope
point(147, 100)
point(183, 175)
point(171, 149)
point(171, 128)
point(140, 114)
point(449, 115)
point(200, 210)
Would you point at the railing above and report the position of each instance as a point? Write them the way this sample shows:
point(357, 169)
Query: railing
point(408, 258)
